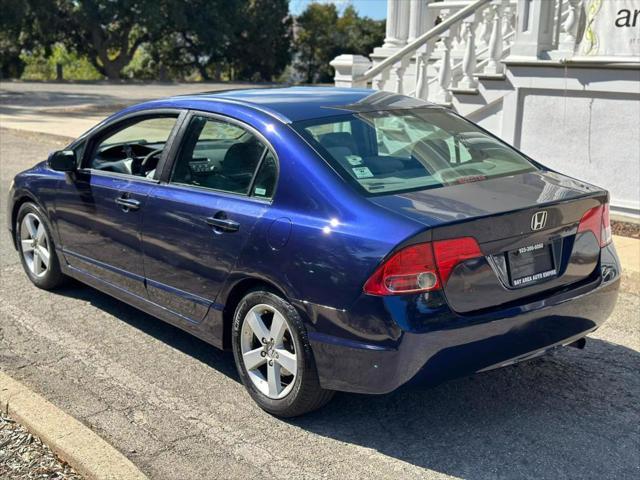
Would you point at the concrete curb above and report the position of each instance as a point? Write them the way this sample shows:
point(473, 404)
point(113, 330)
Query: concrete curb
point(72, 441)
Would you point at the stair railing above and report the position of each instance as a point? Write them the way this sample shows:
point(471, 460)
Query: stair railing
point(399, 60)
point(470, 42)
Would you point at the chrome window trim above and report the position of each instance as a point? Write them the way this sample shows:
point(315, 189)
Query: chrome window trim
point(175, 150)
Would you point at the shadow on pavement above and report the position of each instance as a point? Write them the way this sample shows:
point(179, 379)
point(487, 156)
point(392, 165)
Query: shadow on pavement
point(46, 98)
point(571, 414)
point(173, 336)
point(57, 103)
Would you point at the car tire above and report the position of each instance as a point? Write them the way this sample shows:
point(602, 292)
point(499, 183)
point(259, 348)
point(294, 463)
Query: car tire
point(35, 242)
point(261, 357)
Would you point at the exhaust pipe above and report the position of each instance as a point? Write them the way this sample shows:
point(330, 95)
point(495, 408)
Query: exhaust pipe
point(580, 343)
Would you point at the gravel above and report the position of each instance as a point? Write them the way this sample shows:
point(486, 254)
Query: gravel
point(625, 229)
point(23, 456)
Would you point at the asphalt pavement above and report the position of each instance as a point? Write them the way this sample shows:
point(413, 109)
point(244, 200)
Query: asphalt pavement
point(175, 407)
point(72, 108)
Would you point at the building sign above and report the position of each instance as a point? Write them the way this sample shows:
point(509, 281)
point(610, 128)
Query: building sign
point(612, 28)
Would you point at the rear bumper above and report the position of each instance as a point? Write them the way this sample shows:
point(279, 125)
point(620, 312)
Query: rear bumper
point(390, 341)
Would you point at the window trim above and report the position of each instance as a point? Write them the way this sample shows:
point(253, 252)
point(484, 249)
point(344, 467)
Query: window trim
point(167, 170)
point(102, 131)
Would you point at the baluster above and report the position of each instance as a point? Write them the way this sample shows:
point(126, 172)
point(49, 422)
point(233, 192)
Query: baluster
point(484, 28)
point(495, 67)
point(399, 70)
point(569, 27)
point(557, 20)
point(444, 73)
point(381, 80)
point(444, 14)
point(508, 22)
point(456, 37)
point(422, 66)
point(469, 59)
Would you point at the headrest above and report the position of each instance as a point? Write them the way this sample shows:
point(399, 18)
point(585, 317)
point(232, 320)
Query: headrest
point(242, 157)
point(338, 139)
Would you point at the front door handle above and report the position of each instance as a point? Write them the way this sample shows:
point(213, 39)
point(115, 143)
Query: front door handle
point(223, 224)
point(128, 204)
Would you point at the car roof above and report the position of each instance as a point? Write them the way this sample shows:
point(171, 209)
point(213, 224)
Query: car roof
point(292, 104)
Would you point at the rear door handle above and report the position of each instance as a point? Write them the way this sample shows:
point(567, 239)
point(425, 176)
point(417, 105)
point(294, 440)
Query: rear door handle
point(223, 224)
point(128, 204)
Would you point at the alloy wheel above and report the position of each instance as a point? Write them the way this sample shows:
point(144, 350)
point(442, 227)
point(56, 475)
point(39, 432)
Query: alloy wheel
point(268, 351)
point(35, 245)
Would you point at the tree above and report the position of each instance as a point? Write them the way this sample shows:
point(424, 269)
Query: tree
point(321, 35)
point(359, 35)
point(261, 48)
point(316, 41)
point(109, 33)
point(198, 36)
point(24, 26)
point(11, 22)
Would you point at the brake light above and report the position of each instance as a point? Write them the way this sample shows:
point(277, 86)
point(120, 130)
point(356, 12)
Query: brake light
point(412, 269)
point(422, 267)
point(451, 252)
point(596, 220)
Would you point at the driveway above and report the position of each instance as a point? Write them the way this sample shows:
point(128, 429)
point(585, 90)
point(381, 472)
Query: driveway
point(175, 407)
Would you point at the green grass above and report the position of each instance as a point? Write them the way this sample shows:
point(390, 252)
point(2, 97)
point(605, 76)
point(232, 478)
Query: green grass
point(74, 67)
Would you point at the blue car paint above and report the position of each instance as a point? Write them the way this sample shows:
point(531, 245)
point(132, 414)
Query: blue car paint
point(317, 243)
point(197, 263)
point(99, 237)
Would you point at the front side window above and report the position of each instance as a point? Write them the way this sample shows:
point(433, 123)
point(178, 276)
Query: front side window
point(222, 156)
point(134, 149)
point(403, 150)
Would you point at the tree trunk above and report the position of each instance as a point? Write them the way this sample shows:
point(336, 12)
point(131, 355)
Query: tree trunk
point(112, 70)
point(202, 69)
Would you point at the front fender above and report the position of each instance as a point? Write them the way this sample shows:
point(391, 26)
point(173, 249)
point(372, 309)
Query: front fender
point(40, 186)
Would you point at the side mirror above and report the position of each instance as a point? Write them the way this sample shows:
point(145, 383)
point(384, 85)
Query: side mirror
point(63, 161)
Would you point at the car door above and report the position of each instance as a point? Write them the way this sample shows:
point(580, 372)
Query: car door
point(198, 221)
point(99, 208)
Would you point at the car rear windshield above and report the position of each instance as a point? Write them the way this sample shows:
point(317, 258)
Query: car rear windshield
point(402, 150)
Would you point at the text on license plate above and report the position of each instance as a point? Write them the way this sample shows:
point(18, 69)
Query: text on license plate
point(531, 263)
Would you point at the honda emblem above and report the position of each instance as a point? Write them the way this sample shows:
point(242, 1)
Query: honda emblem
point(539, 220)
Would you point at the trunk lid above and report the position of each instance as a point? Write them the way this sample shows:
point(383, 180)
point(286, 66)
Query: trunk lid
point(519, 260)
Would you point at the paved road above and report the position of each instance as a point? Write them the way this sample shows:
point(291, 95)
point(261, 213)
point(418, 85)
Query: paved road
point(174, 405)
point(72, 108)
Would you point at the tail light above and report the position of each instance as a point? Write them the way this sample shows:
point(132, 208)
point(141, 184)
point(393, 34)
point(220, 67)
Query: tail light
point(421, 268)
point(412, 269)
point(596, 220)
point(449, 253)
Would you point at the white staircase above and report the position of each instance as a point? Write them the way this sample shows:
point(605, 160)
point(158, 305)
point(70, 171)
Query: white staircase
point(458, 61)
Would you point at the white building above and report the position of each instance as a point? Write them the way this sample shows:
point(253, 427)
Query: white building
point(559, 79)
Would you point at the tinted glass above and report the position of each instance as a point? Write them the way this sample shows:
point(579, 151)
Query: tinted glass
point(218, 155)
point(134, 149)
point(394, 151)
point(265, 181)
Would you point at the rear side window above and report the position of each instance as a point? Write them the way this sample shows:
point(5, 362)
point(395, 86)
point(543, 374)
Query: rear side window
point(226, 157)
point(265, 181)
point(403, 150)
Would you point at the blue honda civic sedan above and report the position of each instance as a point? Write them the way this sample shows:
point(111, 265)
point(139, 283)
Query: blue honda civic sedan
point(334, 239)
